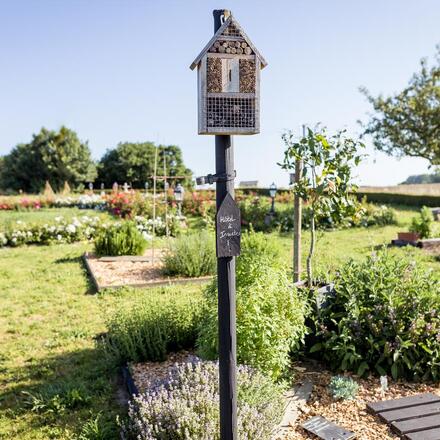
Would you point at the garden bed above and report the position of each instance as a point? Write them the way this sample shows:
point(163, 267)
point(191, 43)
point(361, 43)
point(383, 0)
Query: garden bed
point(351, 414)
point(144, 374)
point(132, 271)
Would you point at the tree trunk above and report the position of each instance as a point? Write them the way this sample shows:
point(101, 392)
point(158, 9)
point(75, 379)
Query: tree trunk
point(311, 250)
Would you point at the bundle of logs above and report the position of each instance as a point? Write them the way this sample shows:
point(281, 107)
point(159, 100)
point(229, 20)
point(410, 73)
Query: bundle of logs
point(234, 47)
point(232, 31)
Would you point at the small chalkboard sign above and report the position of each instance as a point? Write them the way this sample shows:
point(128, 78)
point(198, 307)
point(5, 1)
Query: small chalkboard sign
point(326, 430)
point(228, 228)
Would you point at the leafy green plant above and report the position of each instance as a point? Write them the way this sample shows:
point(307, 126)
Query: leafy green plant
point(191, 255)
point(152, 326)
point(97, 428)
point(120, 239)
point(186, 406)
point(423, 223)
point(344, 388)
point(384, 318)
point(270, 312)
point(57, 399)
point(374, 215)
point(325, 184)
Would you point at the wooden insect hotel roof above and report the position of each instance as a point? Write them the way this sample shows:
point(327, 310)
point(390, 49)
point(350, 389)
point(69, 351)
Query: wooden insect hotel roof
point(230, 29)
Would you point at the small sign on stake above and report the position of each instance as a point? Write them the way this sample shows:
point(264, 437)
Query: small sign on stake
point(228, 228)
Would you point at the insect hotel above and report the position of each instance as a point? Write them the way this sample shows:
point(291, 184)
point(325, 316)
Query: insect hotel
point(229, 82)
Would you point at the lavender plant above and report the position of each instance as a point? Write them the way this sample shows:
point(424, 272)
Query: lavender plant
point(185, 406)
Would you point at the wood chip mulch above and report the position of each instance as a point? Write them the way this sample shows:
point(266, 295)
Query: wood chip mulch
point(352, 414)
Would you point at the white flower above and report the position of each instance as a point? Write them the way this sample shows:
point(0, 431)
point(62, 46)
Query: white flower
point(71, 229)
point(59, 237)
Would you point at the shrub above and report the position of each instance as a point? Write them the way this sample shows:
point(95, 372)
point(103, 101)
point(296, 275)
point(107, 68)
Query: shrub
point(61, 231)
point(191, 255)
point(270, 312)
point(341, 387)
point(400, 199)
point(153, 326)
point(384, 317)
point(422, 224)
point(186, 406)
point(373, 215)
point(120, 239)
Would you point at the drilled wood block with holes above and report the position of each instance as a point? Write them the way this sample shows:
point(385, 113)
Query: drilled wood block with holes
point(228, 71)
point(412, 418)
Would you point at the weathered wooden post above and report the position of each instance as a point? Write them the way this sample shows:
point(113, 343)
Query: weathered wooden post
point(229, 103)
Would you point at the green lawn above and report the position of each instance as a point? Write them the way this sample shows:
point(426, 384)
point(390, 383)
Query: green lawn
point(49, 321)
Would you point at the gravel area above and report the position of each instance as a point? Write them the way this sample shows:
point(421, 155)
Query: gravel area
point(353, 414)
point(133, 273)
point(147, 373)
point(119, 273)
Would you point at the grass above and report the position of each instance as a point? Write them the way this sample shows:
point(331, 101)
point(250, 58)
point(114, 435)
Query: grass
point(54, 383)
point(49, 360)
point(335, 247)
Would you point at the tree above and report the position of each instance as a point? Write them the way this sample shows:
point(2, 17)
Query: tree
point(134, 163)
point(408, 124)
point(52, 156)
point(325, 184)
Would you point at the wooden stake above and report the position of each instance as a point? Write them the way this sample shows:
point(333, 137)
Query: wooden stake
point(154, 205)
point(297, 223)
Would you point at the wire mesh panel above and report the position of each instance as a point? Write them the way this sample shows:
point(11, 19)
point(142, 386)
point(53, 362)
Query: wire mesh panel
point(229, 112)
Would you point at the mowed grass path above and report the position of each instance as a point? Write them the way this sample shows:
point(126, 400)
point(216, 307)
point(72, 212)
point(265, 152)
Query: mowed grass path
point(49, 321)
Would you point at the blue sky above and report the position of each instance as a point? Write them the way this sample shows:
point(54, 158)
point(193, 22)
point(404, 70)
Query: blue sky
point(119, 71)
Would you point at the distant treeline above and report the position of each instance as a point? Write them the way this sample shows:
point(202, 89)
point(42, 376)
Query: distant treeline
point(60, 156)
point(422, 178)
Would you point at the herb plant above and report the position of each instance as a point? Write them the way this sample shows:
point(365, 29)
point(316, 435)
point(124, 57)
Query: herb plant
point(344, 388)
point(186, 406)
point(120, 239)
point(423, 223)
point(270, 313)
point(384, 318)
point(152, 326)
point(191, 255)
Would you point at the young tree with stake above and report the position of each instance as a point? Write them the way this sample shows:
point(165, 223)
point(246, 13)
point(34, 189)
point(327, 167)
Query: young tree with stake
point(325, 184)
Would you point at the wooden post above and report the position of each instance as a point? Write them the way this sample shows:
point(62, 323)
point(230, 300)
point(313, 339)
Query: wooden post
point(154, 205)
point(297, 223)
point(224, 164)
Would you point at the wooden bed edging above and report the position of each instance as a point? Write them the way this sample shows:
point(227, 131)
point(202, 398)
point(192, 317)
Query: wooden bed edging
point(168, 282)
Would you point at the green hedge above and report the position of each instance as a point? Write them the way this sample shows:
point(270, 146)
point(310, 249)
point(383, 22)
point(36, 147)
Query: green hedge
point(400, 199)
